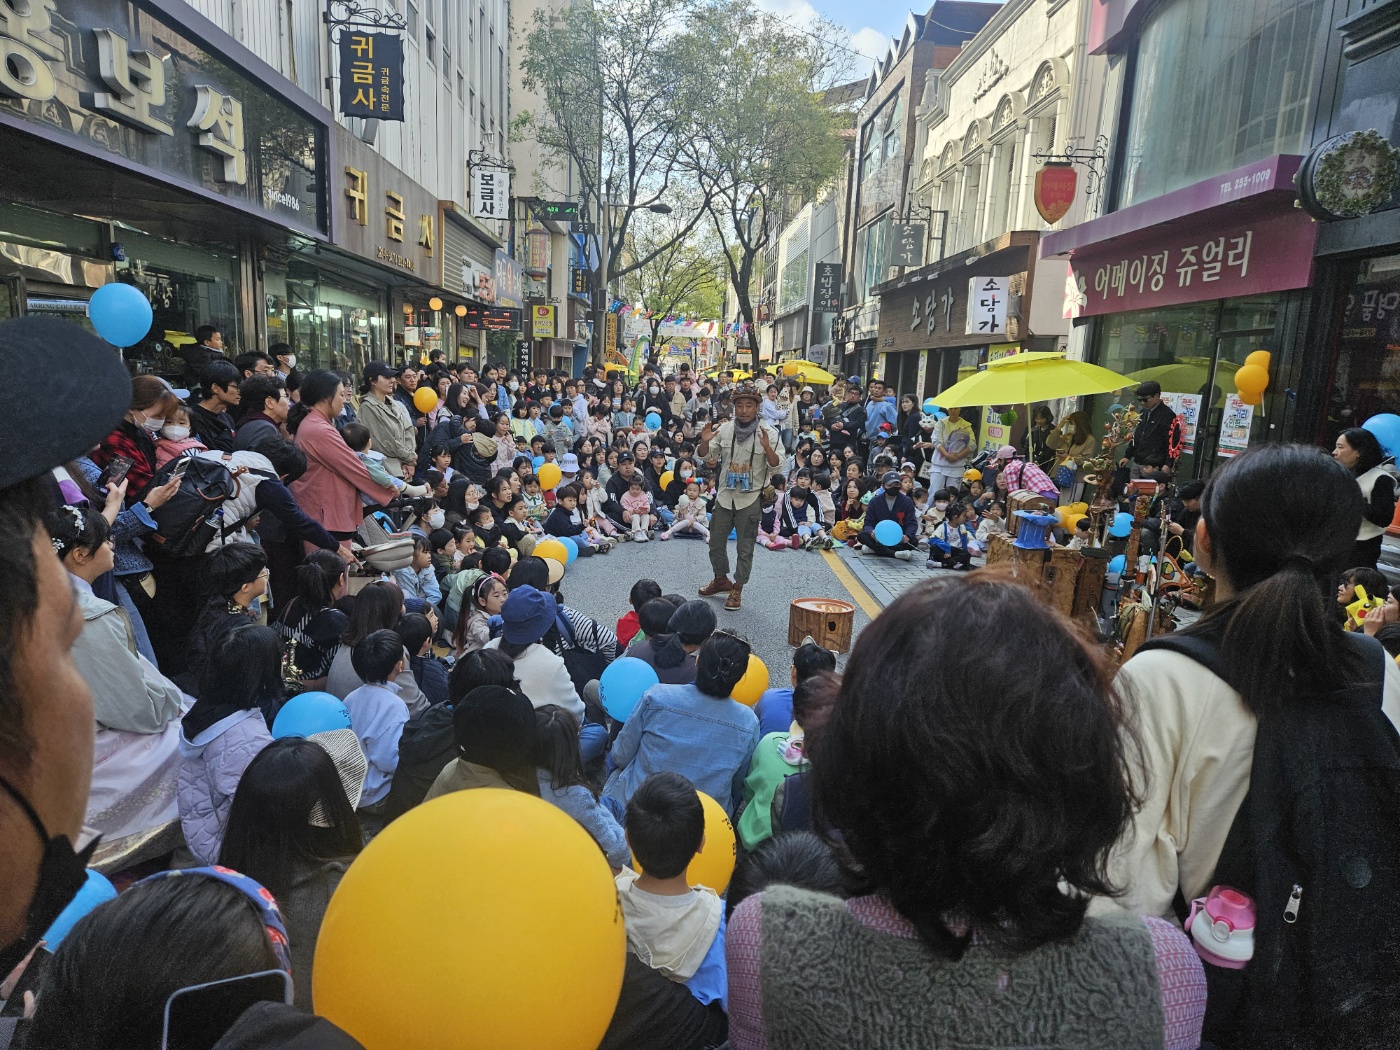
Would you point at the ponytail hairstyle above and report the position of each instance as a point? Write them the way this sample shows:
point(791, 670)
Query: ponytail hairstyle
point(316, 386)
point(1281, 520)
point(317, 578)
point(720, 664)
point(1368, 448)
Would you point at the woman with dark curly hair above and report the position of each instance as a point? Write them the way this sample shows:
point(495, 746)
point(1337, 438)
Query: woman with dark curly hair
point(978, 799)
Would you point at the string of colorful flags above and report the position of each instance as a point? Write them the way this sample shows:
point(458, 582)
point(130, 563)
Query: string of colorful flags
point(623, 309)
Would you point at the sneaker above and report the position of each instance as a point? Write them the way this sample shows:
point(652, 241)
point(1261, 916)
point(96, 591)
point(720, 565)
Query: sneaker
point(642, 537)
point(904, 555)
point(664, 536)
point(931, 565)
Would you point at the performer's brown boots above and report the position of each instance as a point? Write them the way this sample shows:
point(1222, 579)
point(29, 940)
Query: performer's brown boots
point(735, 594)
point(719, 585)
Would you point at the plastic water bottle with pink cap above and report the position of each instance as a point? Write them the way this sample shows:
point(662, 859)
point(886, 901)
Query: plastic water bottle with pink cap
point(1221, 925)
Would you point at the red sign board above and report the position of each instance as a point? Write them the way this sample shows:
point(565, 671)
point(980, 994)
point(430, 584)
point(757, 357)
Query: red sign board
point(1055, 185)
point(1189, 262)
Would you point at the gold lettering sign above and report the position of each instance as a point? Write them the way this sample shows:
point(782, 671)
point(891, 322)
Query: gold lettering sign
point(425, 233)
point(359, 195)
point(394, 211)
point(136, 82)
point(219, 119)
point(24, 54)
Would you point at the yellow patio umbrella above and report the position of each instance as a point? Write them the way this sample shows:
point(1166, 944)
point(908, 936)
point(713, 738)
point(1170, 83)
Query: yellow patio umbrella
point(807, 372)
point(175, 338)
point(1189, 375)
point(739, 374)
point(1023, 379)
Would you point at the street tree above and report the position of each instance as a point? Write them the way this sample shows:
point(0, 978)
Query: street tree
point(761, 137)
point(607, 71)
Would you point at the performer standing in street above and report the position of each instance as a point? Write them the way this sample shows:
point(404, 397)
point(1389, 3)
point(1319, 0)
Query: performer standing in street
point(747, 453)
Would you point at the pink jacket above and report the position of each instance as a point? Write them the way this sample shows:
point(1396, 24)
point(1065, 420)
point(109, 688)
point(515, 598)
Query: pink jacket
point(329, 490)
point(636, 503)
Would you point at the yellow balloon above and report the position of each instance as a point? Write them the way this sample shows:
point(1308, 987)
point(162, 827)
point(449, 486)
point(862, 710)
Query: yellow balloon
point(714, 864)
point(459, 922)
point(1079, 508)
point(754, 682)
point(1250, 381)
point(549, 475)
point(666, 478)
point(552, 549)
point(791, 368)
point(425, 399)
point(1262, 358)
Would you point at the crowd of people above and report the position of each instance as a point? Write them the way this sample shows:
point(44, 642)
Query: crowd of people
point(936, 845)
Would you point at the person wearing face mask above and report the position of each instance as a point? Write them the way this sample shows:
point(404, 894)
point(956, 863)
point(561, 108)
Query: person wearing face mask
point(46, 712)
point(286, 359)
point(653, 399)
point(152, 401)
point(175, 438)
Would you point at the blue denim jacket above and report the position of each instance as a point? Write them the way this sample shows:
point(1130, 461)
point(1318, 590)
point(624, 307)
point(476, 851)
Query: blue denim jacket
point(679, 729)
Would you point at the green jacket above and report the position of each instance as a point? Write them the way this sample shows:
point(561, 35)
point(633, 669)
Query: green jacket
point(767, 770)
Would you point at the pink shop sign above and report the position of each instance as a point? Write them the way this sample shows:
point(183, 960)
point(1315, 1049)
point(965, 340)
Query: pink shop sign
point(1190, 263)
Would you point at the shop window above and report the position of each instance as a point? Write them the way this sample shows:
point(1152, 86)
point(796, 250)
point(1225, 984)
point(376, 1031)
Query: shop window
point(1178, 346)
point(1220, 85)
point(872, 247)
point(1366, 376)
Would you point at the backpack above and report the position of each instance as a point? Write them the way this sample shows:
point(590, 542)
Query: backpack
point(190, 519)
point(1316, 843)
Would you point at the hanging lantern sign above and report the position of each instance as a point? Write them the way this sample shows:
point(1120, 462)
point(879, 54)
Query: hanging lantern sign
point(1055, 186)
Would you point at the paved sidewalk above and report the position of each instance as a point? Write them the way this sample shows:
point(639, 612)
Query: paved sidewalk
point(887, 578)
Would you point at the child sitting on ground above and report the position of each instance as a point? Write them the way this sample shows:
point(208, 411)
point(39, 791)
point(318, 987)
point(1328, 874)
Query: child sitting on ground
point(934, 514)
point(778, 756)
point(636, 509)
point(356, 435)
point(994, 524)
point(1078, 541)
point(535, 506)
point(628, 626)
point(951, 545)
point(797, 521)
point(446, 556)
point(519, 531)
point(594, 504)
point(417, 579)
point(672, 927)
point(826, 502)
point(624, 417)
point(377, 714)
point(567, 520)
point(690, 515)
point(769, 504)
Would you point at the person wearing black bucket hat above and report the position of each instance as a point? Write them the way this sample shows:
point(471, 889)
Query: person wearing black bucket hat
point(495, 731)
point(743, 452)
point(46, 720)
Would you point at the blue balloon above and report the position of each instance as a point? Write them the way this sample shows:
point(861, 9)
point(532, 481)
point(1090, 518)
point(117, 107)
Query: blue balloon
point(570, 546)
point(1386, 427)
point(1122, 524)
point(308, 713)
point(623, 683)
point(120, 313)
point(1117, 564)
point(889, 533)
point(653, 421)
point(537, 462)
point(94, 892)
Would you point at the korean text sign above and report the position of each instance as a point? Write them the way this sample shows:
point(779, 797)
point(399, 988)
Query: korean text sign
point(1185, 265)
point(371, 75)
point(986, 306)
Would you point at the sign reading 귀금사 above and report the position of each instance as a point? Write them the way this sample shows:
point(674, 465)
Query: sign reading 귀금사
point(371, 75)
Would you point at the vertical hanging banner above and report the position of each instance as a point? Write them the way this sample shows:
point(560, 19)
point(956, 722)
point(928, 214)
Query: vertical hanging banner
point(544, 322)
point(371, 75)
point(490, 193)
point(986, 306)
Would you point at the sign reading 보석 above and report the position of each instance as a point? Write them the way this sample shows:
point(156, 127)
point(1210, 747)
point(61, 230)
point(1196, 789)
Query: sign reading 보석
point(135, 88)
point(1184, 265)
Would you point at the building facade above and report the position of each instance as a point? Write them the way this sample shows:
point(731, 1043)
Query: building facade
point(1202, 254)
point(198, 156)
point(886, 134)
point(987, 124)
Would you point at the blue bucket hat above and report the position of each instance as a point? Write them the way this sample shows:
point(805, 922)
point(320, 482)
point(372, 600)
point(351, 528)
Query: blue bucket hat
point(527, 614)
